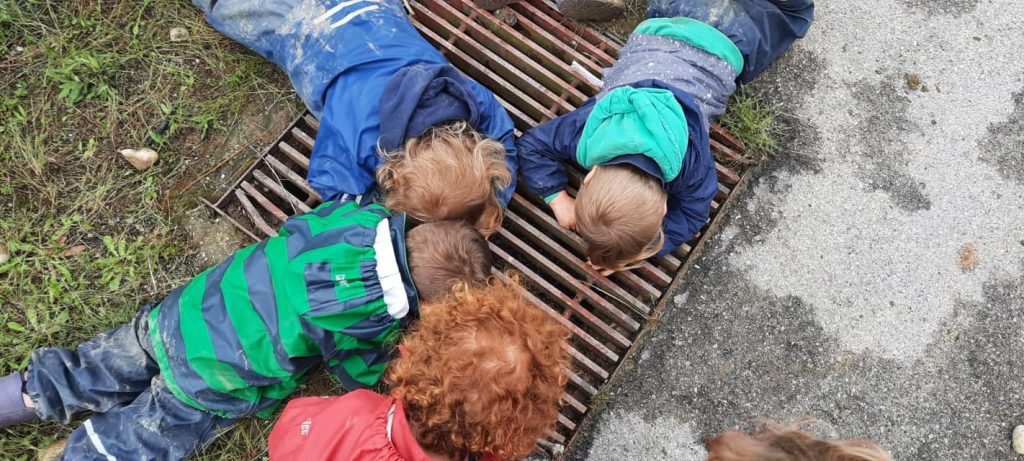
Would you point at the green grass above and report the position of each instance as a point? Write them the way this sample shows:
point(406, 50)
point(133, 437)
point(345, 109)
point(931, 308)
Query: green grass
point(754, 122)
point(90, 238)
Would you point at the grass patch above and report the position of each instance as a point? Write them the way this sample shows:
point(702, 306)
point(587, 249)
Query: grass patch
point(90, 238)
point(754, 122)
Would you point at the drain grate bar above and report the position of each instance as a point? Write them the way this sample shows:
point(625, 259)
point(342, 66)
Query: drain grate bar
point(539, 65)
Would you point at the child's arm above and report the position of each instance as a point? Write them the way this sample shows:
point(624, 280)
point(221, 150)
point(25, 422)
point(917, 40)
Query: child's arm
point(358, 368)
point(497, 125)
point(543, 148)
point(344, 157)
point(688, 205)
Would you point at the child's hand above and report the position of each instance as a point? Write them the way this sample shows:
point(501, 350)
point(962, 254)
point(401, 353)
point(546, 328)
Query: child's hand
point(564, 207)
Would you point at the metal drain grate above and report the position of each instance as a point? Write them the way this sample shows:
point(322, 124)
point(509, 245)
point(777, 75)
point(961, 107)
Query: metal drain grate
point(540, 65)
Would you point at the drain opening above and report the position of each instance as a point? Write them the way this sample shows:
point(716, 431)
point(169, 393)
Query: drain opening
point(540, 65)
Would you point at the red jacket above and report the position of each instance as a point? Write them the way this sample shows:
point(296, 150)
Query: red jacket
point(353, 427)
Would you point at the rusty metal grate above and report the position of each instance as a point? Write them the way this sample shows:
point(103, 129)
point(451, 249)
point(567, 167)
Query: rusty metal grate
point(540, 65)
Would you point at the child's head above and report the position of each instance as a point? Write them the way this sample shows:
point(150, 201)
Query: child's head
point(450, 172)
point(482, 373)
point(619, 210)
point(782, 444)
point(442, 254)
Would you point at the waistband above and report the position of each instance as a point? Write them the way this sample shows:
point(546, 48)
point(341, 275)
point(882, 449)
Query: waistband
point(696, 34)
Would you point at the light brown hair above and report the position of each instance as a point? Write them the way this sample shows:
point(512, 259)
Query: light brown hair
point(442, 254)
point(788, 444)
point(482, 373)
point(619, 212)
point(449, 172)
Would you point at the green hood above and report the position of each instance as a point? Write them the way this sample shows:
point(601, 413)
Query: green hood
point(645, 121)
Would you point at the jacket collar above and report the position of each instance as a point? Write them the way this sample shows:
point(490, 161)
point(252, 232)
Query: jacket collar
point(422, 96)
point(398, 227)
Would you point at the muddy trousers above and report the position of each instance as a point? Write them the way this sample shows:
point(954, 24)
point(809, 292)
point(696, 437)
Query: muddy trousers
point(307, 39)
point(114, 376)
point(761, 29)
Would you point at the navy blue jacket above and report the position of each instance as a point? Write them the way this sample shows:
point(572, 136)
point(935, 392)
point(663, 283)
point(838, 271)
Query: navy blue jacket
point(543, 149)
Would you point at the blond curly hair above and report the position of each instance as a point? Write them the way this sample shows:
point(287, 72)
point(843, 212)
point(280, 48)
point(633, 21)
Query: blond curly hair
point(451, 172)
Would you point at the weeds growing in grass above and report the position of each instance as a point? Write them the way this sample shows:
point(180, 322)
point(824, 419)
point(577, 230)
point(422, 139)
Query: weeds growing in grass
point(90, 238)
point(754, 122)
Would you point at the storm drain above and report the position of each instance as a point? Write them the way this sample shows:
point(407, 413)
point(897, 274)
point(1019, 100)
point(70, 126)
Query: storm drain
point(540, 65)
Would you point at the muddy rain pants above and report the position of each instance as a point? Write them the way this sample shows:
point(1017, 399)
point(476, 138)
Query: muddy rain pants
point(114, 376)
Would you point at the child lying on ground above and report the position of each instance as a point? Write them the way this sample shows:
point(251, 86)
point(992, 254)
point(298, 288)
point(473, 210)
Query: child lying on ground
point(479, 377)
point(334, 287)
point(644, 138)
point(391, 108)
point(780, 444)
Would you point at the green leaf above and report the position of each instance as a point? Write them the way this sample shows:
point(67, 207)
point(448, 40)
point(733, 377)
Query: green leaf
point(16, 327)
point(33, 317)
point(108, 242)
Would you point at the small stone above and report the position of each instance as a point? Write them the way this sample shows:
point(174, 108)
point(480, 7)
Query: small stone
point(1018, 439)
point(141, 159)
point(179, 34)
point(913, 82)
point(506, 15)
point(5, 255)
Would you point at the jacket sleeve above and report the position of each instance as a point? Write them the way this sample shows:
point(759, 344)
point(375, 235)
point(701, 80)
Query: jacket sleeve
point(689, 202)
point(344, 157)
point(542, 150)
point(497, 125)
point(358, 368)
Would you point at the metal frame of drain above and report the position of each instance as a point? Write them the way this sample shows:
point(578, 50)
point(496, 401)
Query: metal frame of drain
point(539, 65)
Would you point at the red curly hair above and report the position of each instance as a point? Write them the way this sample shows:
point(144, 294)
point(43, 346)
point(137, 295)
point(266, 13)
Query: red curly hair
point(482, 373)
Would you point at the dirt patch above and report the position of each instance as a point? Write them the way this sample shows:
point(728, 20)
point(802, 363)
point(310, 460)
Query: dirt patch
point(214, 238)
point(216, 163)
point(620, 28)
point(954, 8)
point(967, 257)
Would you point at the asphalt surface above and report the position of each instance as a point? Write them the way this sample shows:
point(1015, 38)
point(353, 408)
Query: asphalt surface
point(872, 276)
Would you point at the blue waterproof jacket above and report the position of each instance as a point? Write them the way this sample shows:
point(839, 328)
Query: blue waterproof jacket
point(544, 148)
point(392, 85)
point(364, 70)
